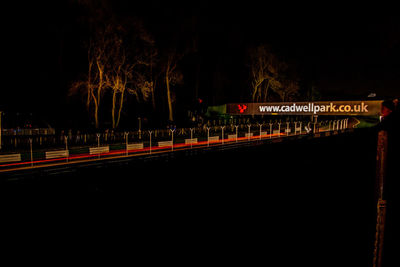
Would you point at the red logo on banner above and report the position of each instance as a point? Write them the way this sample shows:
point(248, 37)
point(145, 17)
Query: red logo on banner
point(242, 108)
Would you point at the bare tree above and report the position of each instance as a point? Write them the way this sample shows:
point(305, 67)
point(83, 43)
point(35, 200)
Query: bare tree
point(94, 83)
point(289, 90)
point(263, 72)
point(288, 86)
point(146, 79)
point(172, 76)
point(117, 80)
point(113, 56)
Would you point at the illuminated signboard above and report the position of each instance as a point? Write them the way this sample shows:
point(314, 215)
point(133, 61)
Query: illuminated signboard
point(355, 108)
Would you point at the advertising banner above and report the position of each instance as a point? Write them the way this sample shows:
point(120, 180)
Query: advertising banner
point(352, 108)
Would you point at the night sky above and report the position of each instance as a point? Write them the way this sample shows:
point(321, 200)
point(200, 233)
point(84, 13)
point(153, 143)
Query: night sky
point(344, 51)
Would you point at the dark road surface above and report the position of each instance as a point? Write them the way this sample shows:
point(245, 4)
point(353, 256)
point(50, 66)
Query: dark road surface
point(308, 203)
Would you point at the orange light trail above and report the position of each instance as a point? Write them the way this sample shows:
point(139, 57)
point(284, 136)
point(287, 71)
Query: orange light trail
point(123, 152)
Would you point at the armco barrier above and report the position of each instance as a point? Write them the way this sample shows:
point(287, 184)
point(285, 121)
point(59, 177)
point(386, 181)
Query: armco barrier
point(232, 136)
point(10, 158)
point(213, 138)
point(57, 154)
point(134, 146)
point(191, 141)
point(164, 143)
point(99, 150)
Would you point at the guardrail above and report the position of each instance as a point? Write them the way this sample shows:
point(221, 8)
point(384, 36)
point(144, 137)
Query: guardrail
point(10, 158)
point(99, 150)
point(57, 154)
point(197, 138)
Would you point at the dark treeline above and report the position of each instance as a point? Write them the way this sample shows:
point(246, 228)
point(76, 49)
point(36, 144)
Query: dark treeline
point(181, 52)
point(203, 48)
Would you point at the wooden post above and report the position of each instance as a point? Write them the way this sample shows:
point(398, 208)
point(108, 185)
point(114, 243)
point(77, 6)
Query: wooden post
point(150, 141)
point(66, 146)
point(381, 206)
point(270, 130)
point(0, 129)
point(126, 142)
point(172, 140)
point(191, 137)
point(379, 234)
point(208, 136)
point(279, 129)
point(222, 128)
point(236, 126)
point(30, 146)
point(381, 161)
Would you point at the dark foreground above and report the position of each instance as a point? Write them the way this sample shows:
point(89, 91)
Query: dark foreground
point(296, 203)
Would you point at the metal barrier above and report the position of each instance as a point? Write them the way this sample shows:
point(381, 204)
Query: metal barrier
point(134, 146)
point(213, 138)
point(99, 150)
point(232, 136)
point(10, 158)
point(165, 143)
point(74, 150)
point(57, 154)
point(191, 141)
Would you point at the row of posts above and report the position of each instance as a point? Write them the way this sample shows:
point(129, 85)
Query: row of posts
point(333, 125)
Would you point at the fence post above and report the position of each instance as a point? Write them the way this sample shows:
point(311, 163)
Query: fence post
point(270, 130)
point(222, 128)
point(208, 136)
point(381, 206)
point(66, 146)
point(287, 128)
point(279, 129)
point(150, 132)
point(98, 142)
point(126, 141)
point(236, 126)
point(140, 127)
point(30, 145)
point(172, 132)
point(1, 129)
point(191, 137)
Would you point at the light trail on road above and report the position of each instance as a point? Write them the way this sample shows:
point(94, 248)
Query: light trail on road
point(123, 153)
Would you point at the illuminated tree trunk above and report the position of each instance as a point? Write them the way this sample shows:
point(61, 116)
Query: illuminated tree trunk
point(121, 101)
point(99, 90)
point(152, 82)
point(266, 91)
point(89, 85)
point(96, 109)
point(167, 81)
point(113, 109)
point(256, 87)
